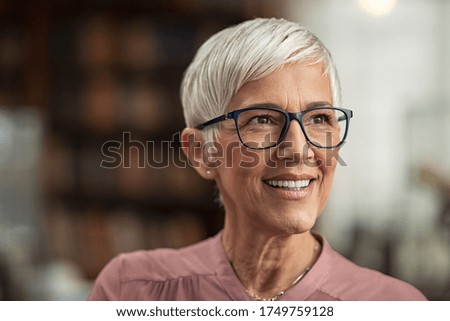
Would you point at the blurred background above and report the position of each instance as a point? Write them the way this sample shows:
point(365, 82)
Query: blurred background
point(77, 76)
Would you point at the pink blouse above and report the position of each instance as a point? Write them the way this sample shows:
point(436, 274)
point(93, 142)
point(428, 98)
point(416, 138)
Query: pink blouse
point(203, 272)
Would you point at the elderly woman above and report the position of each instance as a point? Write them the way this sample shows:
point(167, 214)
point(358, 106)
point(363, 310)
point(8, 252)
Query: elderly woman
point(259, 102)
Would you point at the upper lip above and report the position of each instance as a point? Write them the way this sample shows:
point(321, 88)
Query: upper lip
point(290, 177)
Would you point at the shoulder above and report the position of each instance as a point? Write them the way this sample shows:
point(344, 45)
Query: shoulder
point(157, 265)
point(348, 281)
point(165, 264)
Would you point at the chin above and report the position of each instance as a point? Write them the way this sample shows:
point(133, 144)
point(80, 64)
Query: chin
point(299, 223)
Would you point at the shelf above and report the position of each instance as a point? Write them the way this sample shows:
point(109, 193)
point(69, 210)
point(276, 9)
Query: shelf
point(98, 70)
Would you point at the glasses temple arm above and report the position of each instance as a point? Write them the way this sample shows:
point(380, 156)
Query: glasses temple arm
point(212, 121)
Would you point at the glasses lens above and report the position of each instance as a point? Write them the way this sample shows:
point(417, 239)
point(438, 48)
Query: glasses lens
point(260, 128)
point(325, 127)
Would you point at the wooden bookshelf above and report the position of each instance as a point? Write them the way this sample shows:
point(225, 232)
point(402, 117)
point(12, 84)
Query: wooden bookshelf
point(96, 70)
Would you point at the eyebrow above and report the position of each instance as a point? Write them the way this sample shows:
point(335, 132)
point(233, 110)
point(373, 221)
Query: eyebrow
point(310, 105)
point(316, 104)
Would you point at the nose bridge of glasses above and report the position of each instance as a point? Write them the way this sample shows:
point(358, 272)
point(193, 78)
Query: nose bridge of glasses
point(298, 118)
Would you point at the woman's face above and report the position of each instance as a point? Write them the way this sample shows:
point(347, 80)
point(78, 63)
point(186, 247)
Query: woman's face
point(246, 177)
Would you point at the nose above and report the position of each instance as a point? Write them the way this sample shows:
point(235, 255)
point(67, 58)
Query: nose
point(295, 146)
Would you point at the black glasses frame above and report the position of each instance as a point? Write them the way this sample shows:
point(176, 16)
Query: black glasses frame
point(289, 117)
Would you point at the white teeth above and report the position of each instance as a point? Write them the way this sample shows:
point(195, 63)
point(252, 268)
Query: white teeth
point(297, 184)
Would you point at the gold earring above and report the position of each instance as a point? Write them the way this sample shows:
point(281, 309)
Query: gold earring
point(208, 172)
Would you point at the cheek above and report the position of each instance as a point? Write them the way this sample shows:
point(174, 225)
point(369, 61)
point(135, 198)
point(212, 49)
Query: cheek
point(240, 167)
point(327, 169)
point(327, 161)
point(246, 161)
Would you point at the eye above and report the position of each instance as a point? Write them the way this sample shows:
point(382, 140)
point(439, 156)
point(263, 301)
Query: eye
point(320, 119)
point(260, 120)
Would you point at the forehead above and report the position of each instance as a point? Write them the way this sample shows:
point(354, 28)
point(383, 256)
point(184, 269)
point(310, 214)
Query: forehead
point(292, 88)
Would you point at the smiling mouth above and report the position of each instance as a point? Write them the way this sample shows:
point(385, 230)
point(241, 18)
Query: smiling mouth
point(293, 185)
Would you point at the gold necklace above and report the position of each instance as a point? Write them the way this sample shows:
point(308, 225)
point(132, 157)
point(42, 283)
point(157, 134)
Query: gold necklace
point(256, 297)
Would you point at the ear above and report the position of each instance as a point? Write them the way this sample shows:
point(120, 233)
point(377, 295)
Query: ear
point(192, 145)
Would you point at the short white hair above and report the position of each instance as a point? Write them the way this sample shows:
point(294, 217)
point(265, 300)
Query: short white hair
point(242, 53)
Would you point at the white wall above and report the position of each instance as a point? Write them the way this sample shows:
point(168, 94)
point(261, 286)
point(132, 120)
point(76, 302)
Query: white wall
point(393, 69)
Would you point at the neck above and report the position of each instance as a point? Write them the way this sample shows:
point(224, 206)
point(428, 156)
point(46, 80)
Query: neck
point(268, 264)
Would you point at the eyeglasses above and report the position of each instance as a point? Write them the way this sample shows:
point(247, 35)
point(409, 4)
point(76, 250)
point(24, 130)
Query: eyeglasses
point(266, 127)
